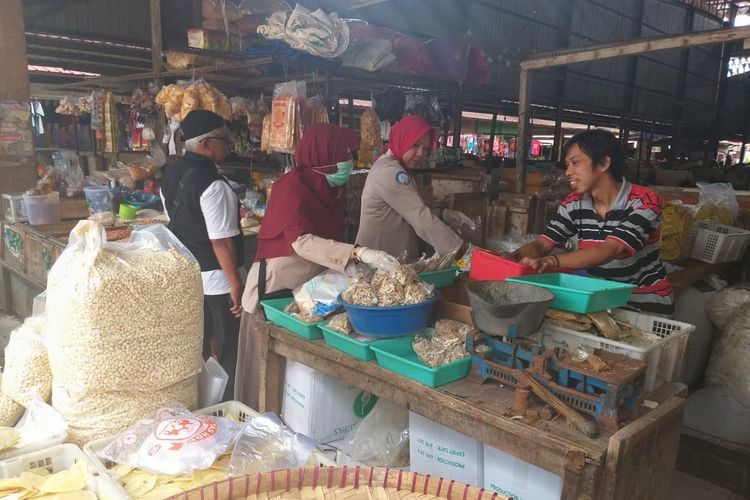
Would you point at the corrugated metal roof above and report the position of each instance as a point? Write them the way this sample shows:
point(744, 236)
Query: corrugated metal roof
point(108, 19)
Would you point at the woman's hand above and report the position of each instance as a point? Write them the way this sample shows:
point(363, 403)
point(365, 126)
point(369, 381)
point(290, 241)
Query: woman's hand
point(377, 259)
point(541, 264)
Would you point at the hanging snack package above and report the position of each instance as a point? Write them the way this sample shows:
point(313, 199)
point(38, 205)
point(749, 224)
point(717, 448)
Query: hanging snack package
point(371, 142)
point(173, 441)
point(286, 120)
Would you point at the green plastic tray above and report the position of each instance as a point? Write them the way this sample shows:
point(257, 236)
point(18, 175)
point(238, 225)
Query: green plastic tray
point(349, 344)
point(444, 277)
point(580, 294)
point(274, 309)
point(398, 356)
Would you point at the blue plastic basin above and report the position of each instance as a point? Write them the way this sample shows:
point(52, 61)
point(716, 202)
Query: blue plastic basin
point(390, 321)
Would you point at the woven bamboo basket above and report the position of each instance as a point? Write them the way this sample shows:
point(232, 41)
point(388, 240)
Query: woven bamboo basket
point(333, 483)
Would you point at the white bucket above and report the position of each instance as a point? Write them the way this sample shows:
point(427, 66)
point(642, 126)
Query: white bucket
point(43, 209)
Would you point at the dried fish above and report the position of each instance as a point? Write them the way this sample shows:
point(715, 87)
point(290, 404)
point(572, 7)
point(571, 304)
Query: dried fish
point(294, 311)
point(340, 323)
point(445, 346)
point(360, 294)
point(388, 289)
point(605, 324)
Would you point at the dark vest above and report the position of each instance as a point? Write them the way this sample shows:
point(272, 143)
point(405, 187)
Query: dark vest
point(183, 184)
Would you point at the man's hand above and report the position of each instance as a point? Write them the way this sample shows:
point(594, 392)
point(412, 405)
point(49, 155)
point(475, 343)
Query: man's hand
point(541, 264)
point(235, 295)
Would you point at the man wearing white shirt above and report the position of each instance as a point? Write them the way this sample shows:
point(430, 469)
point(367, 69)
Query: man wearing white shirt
point(203, 213)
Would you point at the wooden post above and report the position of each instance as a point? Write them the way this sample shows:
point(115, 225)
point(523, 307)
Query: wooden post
point(492, 140)
point(558, 137)
point(457, 109)
point(351, 112)
point(522, 143)
point(156, 38)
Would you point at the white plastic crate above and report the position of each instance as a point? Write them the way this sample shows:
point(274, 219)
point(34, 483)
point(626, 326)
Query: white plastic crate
point(715, 243)
point(665, 359)
point(40, 445)
point(61, 457)
point(14, 207)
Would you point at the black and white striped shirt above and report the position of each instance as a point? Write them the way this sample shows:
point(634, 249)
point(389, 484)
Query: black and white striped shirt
point(632, 221)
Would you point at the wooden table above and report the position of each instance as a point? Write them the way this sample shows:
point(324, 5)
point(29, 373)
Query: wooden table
point(637, 462)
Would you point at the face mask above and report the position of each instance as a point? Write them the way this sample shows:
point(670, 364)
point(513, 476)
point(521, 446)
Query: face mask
point(343, 172)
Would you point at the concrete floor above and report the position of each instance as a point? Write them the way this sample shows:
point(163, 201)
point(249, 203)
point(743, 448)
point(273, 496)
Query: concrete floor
point(684, 487)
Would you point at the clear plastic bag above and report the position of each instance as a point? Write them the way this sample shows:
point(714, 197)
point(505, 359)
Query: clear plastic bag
point(724, 306)
point(318, 295)
point(728, 366)
point(468, 228)
point(40, 423)
point(676, 229)
point(510, 243)
point(717, 202)
point(173, 440)
point(426, 106)
point(381, 439)
point(125, 327)
point(266, 444)
point(26, 374)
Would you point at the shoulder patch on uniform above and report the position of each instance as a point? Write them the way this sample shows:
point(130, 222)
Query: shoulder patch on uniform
point(403, 178)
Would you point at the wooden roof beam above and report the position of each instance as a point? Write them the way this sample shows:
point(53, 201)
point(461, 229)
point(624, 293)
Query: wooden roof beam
point(635, 48)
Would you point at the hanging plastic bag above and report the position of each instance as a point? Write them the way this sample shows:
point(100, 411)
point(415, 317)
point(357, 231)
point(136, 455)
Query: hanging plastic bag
point(173, 440)
point(266, 444)
point(717, 202)
point(41, 423)
point(381, 438)
point(286, 119)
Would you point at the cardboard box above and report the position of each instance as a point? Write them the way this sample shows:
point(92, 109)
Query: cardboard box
point(508, 475)
point(454, 302)
point(439, 451)
point(320, 406)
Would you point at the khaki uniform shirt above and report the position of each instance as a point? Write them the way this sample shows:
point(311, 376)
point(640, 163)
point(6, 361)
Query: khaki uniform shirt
point(394, 216)
point(313, 256)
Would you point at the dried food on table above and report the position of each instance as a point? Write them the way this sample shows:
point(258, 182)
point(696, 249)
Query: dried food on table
point(360, 294)
point(445, 346)
point(293, 310)
point(605, 324)
point(340, 323)
point(572, 321)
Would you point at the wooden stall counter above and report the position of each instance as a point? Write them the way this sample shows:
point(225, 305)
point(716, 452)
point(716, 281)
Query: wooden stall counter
point(636, 462)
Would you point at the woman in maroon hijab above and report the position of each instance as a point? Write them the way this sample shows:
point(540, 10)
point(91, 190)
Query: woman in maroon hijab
point(299, 238)
point(393, 215)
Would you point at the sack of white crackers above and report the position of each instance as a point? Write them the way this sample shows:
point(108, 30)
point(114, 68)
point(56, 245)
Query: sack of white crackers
point(125, 324)
point(173, 441)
